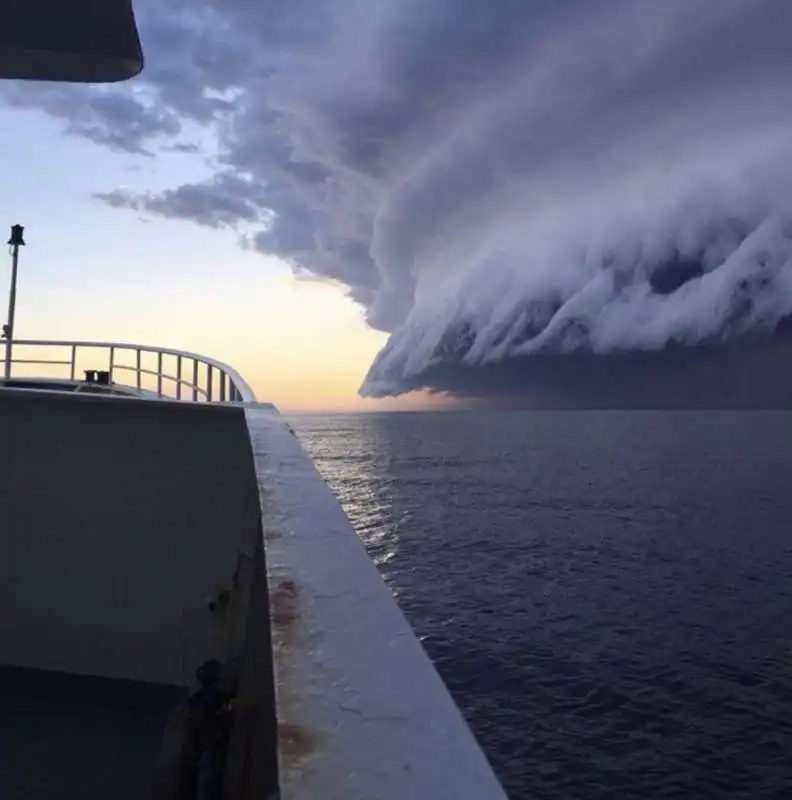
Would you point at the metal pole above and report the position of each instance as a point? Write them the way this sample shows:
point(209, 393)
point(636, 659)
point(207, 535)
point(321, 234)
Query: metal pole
point(16, 241)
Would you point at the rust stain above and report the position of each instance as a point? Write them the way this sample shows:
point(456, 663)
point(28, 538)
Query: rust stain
point(284, 602)
point(296, 742)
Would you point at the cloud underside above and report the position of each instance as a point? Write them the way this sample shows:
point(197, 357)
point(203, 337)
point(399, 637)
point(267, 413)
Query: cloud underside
point(511, 190)
point(739, 376)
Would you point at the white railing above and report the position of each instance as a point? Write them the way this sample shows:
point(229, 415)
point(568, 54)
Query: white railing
point(174, 374)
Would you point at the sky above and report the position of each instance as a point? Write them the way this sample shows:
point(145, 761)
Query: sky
point(91, 272)
point(383, 198)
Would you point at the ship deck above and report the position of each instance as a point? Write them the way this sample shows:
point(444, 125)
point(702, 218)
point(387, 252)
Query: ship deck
point(121, 518)
point(145, 541)
point(68, 737)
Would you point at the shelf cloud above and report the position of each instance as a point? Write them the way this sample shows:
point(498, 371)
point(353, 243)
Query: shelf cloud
point(524, 190)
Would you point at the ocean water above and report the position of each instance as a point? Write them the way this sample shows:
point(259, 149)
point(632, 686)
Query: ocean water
point(608, 595)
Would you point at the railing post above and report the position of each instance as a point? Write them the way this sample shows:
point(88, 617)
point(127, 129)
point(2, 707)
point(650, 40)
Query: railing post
point(137, 366)
point(195, 380)
point(159, 374)
point(178, 377)
point(222, 387)
point(73, 367)
point(112, 363)
point(209, 383)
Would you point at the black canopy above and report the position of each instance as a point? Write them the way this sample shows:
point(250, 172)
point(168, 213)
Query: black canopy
point(85, 41)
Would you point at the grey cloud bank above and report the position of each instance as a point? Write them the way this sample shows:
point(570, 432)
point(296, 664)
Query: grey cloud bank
point(503, 183)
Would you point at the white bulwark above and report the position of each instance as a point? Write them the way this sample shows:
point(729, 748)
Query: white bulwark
point(362, 712)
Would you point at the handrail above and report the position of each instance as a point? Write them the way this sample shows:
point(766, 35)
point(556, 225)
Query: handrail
point(230, 387)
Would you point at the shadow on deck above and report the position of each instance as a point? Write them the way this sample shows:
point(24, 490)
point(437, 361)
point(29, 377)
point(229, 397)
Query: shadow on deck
point(119, 519)
point(66, 736)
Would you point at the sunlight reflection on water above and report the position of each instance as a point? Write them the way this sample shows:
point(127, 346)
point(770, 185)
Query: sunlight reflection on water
point(606, 595)
point(350, 459)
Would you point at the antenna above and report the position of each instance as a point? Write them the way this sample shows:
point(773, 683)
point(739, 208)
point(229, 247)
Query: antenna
point(15, 242)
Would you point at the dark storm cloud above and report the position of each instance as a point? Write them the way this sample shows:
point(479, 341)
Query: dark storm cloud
point(747, 376)
point(120, 121)
point(224, 202)
point(495, 182)
point(189, 65)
